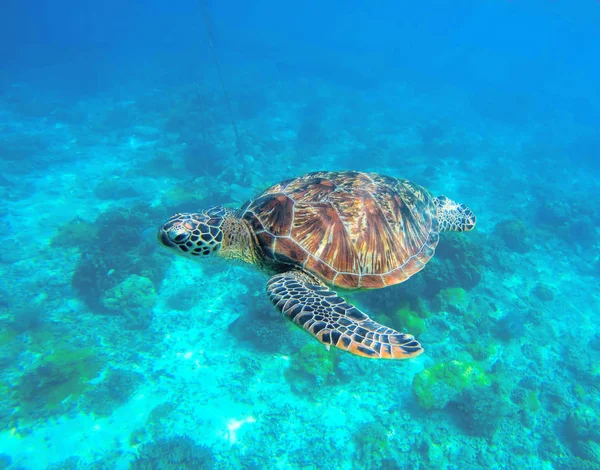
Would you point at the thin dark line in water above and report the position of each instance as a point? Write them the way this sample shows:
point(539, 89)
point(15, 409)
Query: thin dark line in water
point(211, 44)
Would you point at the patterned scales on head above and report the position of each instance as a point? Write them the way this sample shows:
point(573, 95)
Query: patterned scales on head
point(353, 230)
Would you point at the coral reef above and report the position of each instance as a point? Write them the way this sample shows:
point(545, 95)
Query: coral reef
point(76, 233)
point(258, 327)
point(115, 188)
point(406, 319)
point(543, 292)
point(184, 298)
point(91, 278)
point(554, 213)
point(514, 234)
point(311, 137)
point(28, 317)
point(108, 342)
point(479, 411)
point(58, 383)
point(133, 299)
point(116, 388)
point(510, 326)
point(174, 453)
point(452, 299)
point(117, 252)
point(457, 263)
point(372, 444)
point(572, 222)
point(435, 387)
point(463, 257)
point(313, 365)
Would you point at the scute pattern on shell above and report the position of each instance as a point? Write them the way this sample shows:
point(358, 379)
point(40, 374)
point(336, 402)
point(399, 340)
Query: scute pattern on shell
point(352, 229)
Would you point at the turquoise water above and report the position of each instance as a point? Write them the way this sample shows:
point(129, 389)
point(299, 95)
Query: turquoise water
point(117, 354)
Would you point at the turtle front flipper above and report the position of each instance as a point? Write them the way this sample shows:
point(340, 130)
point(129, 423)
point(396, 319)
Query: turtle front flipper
point(334, 322)
point(453, 216)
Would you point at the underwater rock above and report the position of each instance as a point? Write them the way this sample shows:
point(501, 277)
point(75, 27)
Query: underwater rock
point(406, 319)
point(436, 386)
point(117, 251)
point(435, 454)
point(588, 450)
point(160, 415)
point(28, 317)
point(543, 292)
point(134, 299)
point(518, 395)
point(76, 233)
point(23, 147)
point(462, 258)
point(510, 326)
point(5, 461)
point(12, 251)
point(119, 230)
point(555, 213)
point(430, 172)
point(115, 390)
point(431, 133)
point(437, 142)
point(184, 299)
point(572, 222)
point(250, 103)
point(175, 453)
point(372, 444)
point(176, 122)
point(550, 446)
point(438, 274)
point(160, 165)
point(181, 199)
point(595, 342)
point(479, 411)
point(576, 463)
point(425, 284)
point(529, 382)
point(481, 350)
point(261, 330)
point(251, 366)
point(137, 437)
point(310, 368)
point(197, 152)
point(514, 234)
point(63, 374)
point(311, 137)
point(91, 278)
point(115, 188)
point(584, 232)
point(71, 463)
point(582, 424)
point(453, 299)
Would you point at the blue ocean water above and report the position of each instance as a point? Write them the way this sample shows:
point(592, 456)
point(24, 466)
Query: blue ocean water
point(115, 115)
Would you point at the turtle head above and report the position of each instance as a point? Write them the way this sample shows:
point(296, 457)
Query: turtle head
point(194, 235)
point(453, 216)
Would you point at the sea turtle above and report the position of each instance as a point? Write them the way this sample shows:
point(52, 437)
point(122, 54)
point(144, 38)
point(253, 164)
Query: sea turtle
point(324, 230)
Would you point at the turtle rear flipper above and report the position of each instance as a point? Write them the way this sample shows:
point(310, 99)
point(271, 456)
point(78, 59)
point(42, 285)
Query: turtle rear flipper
point(453, 216)
point(334, 322)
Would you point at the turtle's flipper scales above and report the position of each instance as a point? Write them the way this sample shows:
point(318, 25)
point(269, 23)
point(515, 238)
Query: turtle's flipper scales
point(333, 321)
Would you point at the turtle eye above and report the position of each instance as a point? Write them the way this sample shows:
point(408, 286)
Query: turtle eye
point(181, 237)
point(215, 211)
point(178, 234)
